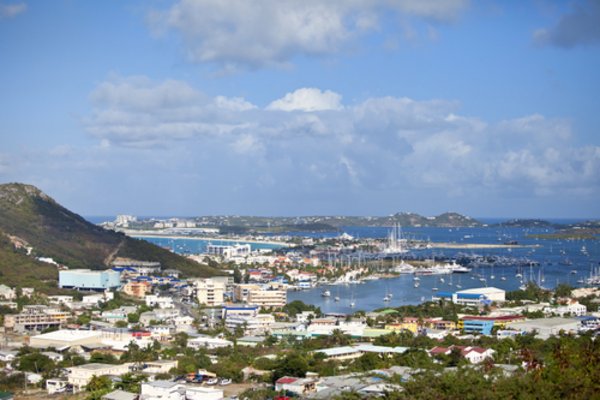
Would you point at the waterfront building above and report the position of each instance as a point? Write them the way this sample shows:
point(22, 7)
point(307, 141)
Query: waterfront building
point(473, 297)
point(85, 279)
point(209, 292)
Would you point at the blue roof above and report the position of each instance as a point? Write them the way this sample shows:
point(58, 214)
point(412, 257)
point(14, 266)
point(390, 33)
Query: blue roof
point(470, 295)
point(444, 294)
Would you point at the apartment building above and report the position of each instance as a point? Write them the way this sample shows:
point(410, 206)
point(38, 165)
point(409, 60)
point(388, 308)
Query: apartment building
point(209, 292)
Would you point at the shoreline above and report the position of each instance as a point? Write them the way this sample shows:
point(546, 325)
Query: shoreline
point(208, 239)
point(442, 245)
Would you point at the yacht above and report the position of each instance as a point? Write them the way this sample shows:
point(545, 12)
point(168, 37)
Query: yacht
point(326, 293)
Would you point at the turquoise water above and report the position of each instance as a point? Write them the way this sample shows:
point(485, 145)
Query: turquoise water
point(196, 246)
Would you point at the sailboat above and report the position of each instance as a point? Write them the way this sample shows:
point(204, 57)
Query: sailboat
point(458, 285)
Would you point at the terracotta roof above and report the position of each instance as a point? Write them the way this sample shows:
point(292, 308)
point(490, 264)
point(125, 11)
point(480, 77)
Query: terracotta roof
point(286, 379)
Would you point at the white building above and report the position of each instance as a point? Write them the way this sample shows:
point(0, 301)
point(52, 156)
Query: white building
point(208, 342)
point(7, 293)
point(209, 292)
point(252, 325)
point(546, 327)
point(166, 390)
point(153, 300)
point(81, 375)
point(573, 309)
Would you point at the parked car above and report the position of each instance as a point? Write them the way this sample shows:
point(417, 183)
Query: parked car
point(212, 381)
point(225, 381)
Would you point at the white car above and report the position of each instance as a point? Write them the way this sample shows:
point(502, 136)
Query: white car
point(225, 381)
point(212, 381)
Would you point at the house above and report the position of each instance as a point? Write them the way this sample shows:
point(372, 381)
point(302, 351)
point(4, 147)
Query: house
point(56, 386)
point(473, 354)
point(352, 352)
point(159, 366)
point(300, 386)
point(7, 293)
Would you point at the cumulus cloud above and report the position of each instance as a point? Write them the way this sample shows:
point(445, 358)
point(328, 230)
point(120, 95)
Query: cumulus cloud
point(311, 137)
point(11, 10)
point(581, 26)
point(308, 99)
point(239, 33)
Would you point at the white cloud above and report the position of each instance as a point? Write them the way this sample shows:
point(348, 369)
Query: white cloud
point(377, 144)
point(240, 33)
point(308, 99)
point(12, 10)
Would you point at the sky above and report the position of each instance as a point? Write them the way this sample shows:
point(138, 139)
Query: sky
point(284, 107)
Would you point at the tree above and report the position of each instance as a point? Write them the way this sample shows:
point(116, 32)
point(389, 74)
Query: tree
point(35, 362)
point(98, 387)
point(293, 364)
point(131, 382)
point(563, 290)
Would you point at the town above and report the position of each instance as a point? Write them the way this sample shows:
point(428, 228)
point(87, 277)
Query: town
point(142, 331)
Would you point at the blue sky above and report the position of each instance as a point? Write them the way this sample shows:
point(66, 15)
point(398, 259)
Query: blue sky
point(488, 108)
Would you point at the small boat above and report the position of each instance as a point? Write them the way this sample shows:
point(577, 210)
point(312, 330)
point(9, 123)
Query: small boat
point(503, 278)
point(434, 289)
point(417, 284)
point(352, 304)
point(336, 298)
point(573, 271)
point(386, 298)
point(326, 293)
point(416, 278)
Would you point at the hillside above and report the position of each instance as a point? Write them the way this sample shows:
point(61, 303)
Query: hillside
point(30, 218)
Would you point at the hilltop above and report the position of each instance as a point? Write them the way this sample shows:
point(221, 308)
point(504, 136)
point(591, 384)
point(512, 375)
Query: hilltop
point(32, 224)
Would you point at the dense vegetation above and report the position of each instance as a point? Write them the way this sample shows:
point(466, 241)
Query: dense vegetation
point(34, 219)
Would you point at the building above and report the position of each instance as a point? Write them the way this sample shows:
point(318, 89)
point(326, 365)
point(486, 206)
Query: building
point(239, 311)
point(120, 395)
point(475, 355)
point(299, 386)
point(351, 352)
point(209, 292)
point(66, 338)
point(35, 319)
point(158, 301)
point(478, 326)
point(166, 390)
point(137, 289)
point(228, 251)
point(7, 293)
point(81, 375)
point(574, 309)
point(208, 342)
point(159, 366)
point(257, 325)
point(269, 298)
point(473, 297)
point(484, 324)
point(546, 327)
point(86, 279)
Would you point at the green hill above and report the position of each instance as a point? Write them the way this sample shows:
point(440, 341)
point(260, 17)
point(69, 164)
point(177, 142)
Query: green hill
point(31, 219)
